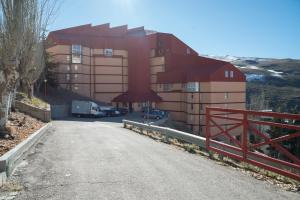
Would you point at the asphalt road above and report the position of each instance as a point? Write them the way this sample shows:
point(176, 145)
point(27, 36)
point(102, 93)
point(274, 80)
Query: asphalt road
point(100, 160)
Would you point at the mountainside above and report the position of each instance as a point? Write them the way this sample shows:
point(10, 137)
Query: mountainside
point(276, 79)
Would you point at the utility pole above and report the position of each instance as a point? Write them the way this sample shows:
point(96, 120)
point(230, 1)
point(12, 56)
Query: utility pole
point(45, 83)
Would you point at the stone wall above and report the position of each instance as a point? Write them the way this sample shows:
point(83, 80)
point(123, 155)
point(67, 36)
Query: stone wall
point(39, 113)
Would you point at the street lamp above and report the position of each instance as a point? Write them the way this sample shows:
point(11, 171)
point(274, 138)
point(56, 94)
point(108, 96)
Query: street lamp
point(148, 111)
point(45, 83)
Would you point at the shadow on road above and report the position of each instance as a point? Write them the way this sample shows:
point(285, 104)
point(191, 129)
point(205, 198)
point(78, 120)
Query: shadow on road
point(136, 116)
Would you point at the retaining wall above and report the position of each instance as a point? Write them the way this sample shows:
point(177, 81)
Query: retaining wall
point(39, 113)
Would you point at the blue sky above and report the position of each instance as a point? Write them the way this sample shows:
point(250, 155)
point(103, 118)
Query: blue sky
point(258, 28)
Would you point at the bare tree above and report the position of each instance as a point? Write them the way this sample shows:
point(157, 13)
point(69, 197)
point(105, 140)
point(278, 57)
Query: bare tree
point(11, 42)
point(22, 27)
point(258, 101)
point(33, 60)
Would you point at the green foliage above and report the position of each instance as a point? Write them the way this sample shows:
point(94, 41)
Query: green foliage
point(293, 145)
point(278, 90)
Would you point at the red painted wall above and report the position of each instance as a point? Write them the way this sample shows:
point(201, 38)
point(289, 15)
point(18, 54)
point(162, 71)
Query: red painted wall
point(138, 65)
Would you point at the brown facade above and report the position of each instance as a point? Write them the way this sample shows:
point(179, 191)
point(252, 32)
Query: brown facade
point(188, 108)
point(96, 76)
point(135, 66)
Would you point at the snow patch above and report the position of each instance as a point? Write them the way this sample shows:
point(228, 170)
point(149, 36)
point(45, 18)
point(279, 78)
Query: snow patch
point(250, 67)
point(255, 77)
point(230, 58)
point(275, 73)
point(226, 58)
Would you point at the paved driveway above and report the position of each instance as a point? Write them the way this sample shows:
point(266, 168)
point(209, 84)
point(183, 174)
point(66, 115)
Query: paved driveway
point(100, 160)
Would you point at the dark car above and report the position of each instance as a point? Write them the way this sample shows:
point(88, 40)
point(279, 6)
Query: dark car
point(153, 114)
point(123, 111)
point(112, 112)
point(162, 112)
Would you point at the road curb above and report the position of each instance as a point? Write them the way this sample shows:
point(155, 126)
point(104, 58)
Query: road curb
point(10, 159)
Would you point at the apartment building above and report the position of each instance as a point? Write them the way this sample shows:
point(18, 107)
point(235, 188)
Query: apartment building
point(134, 67)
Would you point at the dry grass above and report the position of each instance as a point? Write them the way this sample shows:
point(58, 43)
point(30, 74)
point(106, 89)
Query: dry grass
point(11, 187)
point(33, 101)
point(20, 126)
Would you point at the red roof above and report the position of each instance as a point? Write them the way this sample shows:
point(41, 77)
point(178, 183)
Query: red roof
point(190, 68)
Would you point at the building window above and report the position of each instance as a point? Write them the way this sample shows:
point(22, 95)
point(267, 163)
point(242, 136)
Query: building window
point(226, 95)
point(152, 53)
point(75, 67)
point(160, 52)
point(192, 87)
point(76, 49)
point(67, 77)
point(188, 51)
point(192, 96)
point(167, 87)
point(108, 52)
point(75, 75)
point(231, 74)
point(226, 74)
point(192, 106)
point(76, 53)
point(201, 106)
point(201, 118)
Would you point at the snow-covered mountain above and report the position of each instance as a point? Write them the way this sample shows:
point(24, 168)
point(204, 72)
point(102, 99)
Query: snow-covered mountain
point(279, 78)
point(257, 69)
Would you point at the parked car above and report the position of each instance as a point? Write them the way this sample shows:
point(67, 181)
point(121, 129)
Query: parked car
point(163, 112)
point(110, 111)
point(86, 109)
point(123, 111)
point(153, 114)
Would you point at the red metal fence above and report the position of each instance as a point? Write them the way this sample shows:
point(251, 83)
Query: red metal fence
point(229, 132)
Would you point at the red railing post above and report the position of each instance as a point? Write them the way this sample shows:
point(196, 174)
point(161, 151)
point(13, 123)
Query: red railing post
point(207, 130)
point(245, 135)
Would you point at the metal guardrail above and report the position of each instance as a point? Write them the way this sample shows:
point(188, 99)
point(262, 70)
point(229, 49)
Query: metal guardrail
point(187, 137)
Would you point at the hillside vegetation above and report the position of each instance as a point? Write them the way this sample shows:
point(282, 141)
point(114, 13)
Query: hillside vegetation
point(278, 80)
